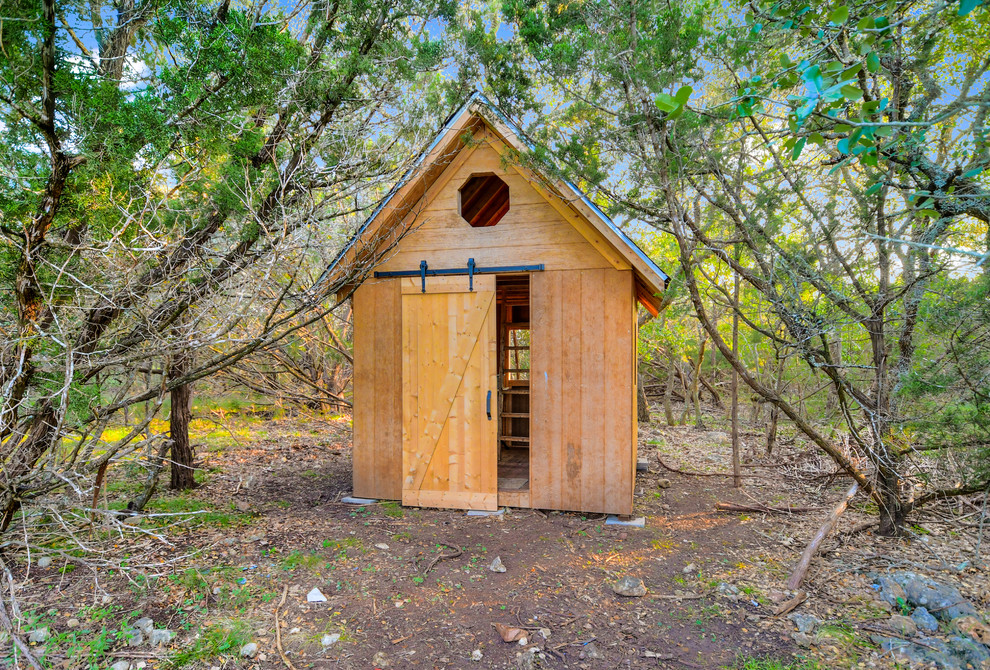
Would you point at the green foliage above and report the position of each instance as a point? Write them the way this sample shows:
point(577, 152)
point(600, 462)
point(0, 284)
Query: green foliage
point(214, 641)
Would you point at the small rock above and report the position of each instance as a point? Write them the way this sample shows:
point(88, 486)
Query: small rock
point(902, 625)
point(591, 651)
point(250, 650)
point(38, 635)
point(72, 623)
point(623, 536)
point(728, 590)
point(295, 630)
point(526, 660)
point(316, 596)
point(630, 587)
point(217, 590)
point(663, 484)
point(262, 656)
point(476, 655)
point(160, 637)
point(925, 621)
point(689, 568)
point(803, 640)
point(546, 633)
point(121, 665)
point(44, 562)
point(497, 565)
point(145, 625)
point(242, 505)
point(380, 660)
point(134, 637)
point(382, 546)
point(523, 641)
point(753, 618)
point(805, 623)
point(329, 640)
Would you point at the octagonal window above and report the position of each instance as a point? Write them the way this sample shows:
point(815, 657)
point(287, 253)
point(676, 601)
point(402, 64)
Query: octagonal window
point(483, 200)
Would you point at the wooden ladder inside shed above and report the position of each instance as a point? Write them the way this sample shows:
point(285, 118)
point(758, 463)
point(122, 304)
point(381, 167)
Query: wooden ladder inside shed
point(514, 384)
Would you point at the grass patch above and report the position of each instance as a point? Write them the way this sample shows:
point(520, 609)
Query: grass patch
point(392, 508)
point(222, 639)
point(749, 663)
point(309, 560)
point(200, 513)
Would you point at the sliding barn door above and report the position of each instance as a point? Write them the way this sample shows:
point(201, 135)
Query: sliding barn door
point(449, 393)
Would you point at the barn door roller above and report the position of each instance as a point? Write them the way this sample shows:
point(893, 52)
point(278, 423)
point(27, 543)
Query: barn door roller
point(471, 270)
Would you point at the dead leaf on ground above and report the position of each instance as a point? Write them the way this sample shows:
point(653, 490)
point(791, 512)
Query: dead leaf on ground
point(509, 633)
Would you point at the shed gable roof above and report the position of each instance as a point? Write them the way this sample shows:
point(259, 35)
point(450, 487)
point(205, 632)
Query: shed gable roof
point(396, 213)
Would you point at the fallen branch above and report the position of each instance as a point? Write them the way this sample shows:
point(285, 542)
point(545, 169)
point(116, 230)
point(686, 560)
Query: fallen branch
point(802, 567)
point(278, 631)
point(766, 509)
point(441, 557)
point(704, 474)
point(791, 604)
point(9, 626)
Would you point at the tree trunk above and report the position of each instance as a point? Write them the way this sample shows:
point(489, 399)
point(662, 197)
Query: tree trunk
point(774, 411)
point(183, 470)
point(642, 406)
point(736, 467)
point(23, 458)
point(668, 412)
point(699, 422)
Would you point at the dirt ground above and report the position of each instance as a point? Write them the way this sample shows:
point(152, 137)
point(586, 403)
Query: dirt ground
point(412, 588)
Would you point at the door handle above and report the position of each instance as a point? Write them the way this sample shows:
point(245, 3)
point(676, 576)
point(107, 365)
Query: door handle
point(488, 405)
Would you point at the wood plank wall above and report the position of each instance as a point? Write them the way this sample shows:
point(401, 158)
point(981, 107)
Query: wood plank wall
point(377, 466)
point(531, 232)
point(583, 413)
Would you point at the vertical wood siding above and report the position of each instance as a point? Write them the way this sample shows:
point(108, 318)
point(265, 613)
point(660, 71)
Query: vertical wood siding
point(583, 390)
point(377, 398)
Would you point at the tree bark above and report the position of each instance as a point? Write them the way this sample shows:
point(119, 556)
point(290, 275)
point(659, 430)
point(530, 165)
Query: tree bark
point(183, 470)
point(736, 467)
point(699, 422)
point(668, 412)
point(642, 406)
point(774, 411)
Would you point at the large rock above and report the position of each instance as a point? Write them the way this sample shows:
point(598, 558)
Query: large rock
point(891, 592)
point(955, 654)
point(925, 621)
point(630, 587)
point(249, 650)
point(942, 600)
point(902, 625)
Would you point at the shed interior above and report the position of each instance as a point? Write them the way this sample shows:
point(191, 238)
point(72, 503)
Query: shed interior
point(512, 304)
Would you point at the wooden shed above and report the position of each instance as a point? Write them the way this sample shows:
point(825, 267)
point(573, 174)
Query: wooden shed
point(495, 342)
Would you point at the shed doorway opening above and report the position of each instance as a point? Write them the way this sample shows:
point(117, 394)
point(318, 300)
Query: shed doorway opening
point(512, 304)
